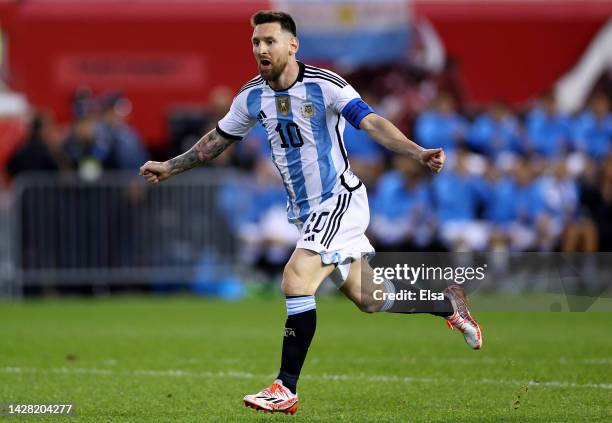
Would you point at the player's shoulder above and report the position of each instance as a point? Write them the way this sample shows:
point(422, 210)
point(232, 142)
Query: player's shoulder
point(256, 82)
point(324, 76)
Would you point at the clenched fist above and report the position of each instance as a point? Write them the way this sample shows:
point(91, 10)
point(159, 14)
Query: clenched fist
point(433, 158)
point(155, 172)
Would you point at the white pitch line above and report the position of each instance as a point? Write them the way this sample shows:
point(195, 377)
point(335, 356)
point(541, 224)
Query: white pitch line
point(327, 377)
point(602, 361)
point(479, 361)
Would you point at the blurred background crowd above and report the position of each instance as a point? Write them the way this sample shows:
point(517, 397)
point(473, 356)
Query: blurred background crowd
point(531, 179)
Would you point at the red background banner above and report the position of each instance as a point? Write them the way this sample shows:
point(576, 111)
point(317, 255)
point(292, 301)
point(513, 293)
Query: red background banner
point(163, 54)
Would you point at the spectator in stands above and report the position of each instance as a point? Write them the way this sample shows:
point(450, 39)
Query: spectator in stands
point(596, 198)
point(86, 153)
point(581, 233)
point(528, 212)
point(83, 103)
point(592, 130)
point(558, 193)
point(548, 131)
point(113, 132)
point(495, 131)
point(458, 195)
point(500, 208)
point(101, 138)
point(42, 151)
point(403, 218)
point(528, 205)
point(219, 102)
point(441, 126)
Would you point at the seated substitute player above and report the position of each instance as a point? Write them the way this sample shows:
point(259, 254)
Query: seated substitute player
point(304, 110)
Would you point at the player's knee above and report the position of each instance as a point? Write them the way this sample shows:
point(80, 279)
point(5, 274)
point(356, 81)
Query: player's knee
point(368, 307)
point(293, 283)
point(364, 304)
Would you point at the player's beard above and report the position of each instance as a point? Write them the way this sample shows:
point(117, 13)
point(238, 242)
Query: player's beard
point(274, 72)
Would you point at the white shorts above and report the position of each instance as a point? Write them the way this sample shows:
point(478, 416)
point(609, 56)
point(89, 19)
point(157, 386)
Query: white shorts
point(336, 231)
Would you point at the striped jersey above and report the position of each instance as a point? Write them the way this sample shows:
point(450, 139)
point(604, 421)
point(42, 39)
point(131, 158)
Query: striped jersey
point(304, 125)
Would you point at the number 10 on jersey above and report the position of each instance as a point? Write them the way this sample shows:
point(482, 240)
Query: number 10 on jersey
point(291, 133)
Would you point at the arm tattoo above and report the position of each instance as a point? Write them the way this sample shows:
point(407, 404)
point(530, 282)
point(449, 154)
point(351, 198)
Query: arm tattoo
point(206, 149)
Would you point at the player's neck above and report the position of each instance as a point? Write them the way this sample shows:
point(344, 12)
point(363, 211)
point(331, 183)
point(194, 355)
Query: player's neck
point(288, 77)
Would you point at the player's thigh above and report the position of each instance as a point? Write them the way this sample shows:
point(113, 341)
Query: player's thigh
point(304, 273)
point(359, 286)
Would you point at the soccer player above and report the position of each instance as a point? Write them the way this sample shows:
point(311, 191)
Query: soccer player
point(304, 110)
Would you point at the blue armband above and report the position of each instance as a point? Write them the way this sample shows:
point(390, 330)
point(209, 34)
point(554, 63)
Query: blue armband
point(355, 110)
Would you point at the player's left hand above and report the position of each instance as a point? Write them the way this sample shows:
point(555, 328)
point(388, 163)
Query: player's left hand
point(433, 158)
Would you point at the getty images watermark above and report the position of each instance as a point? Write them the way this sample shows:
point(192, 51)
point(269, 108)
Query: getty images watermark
point(408, 274)
point(493, 281)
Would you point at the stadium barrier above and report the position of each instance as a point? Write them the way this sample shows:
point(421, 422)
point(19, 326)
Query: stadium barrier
point(118, 230)
point(7, 287)
point(62, 230)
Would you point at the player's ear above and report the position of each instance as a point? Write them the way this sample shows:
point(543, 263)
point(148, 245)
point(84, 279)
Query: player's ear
point(294, 45)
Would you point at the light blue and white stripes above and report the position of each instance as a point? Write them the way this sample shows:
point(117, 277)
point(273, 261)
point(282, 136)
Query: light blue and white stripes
point(296, 305)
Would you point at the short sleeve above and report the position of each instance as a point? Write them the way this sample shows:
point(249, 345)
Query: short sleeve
point(348, 102)
point(342, 96)
point(237, 122)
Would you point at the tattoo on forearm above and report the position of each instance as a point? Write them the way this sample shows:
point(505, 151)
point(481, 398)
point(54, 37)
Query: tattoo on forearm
point(206, 149)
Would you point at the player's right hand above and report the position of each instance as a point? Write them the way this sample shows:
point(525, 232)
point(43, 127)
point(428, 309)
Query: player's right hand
point(155, 172)
point(433, 158)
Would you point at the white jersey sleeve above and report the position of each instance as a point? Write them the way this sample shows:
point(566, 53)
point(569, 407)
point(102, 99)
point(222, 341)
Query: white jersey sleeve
point(342, 96)
point(347, 101)
point(237, 122)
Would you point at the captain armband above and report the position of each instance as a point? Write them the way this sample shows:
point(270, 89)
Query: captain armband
point(355, 110)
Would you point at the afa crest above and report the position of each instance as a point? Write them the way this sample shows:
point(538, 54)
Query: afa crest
point(308, 109)
point(283, 105)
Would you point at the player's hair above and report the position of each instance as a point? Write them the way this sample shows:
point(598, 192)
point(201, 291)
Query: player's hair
point(284, 19)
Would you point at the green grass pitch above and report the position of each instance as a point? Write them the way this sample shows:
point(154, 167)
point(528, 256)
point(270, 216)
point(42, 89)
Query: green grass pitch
point(192, 360)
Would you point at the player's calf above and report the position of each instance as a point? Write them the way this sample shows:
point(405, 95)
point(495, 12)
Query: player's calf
point(300, 328)
point(372, 296)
